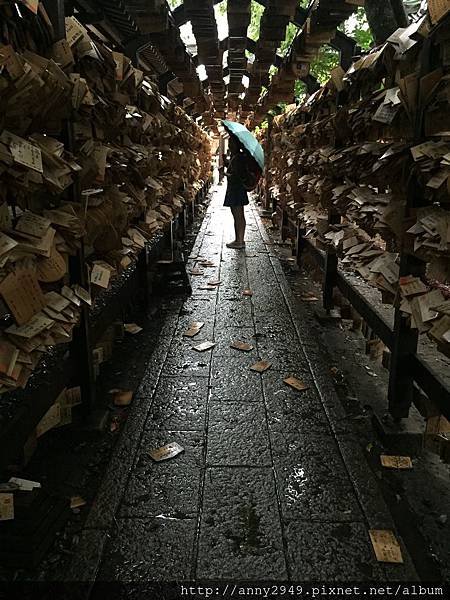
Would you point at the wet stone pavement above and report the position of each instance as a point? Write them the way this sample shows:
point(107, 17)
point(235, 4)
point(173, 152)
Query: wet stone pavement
point(272, 484)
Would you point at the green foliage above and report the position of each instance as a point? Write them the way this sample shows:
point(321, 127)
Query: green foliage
point(326, 61)
point(300, 91)
point(357, 27)
point(327, 58)
point(222, 7)
point(291, 31)
point(255, 21)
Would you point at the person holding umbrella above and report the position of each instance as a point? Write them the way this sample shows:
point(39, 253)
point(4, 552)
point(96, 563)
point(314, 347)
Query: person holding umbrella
point(243, 173)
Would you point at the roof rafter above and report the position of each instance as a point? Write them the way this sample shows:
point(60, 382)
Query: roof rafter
point(322, 23)
point(239, 14)
point(274, 20)
point(203, 20)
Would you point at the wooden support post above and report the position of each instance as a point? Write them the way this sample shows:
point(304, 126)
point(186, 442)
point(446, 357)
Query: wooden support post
point(267, 199)
point(55, 10)
point(329, 283)
point(401, 377)
point(143, 271)
point(284, 225)
point(81, 347)
point(300, 242)
point(331, 267)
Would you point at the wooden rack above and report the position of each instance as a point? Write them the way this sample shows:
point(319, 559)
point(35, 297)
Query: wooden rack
point(410, 373)
point(72, 364)
point(63, 367)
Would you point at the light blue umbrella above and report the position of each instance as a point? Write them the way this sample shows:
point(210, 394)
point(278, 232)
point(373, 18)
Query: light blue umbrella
point(247, 140)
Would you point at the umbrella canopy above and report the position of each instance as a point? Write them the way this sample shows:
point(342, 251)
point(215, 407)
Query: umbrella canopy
point(247, 140)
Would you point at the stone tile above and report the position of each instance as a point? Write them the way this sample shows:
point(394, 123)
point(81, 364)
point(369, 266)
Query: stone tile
point(181, 343)
point(330, 552)
point(232, 380)
point(237, 435)
point(224, 337)
point(275, 334)
point(170, 487)
point(284, 362)
point(189, 363)
point(233, 278)
point(185, 322)
point(149, 550)
point(312, 479)
point(240, 536)
point(235, 315)
point(179, 404)
point(88, 556)
point(240, 531)
point(267, 296)
point(199, 283)
point(232, 297)
point(290, 411)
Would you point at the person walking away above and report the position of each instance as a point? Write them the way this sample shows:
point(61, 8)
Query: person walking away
point(236, 196)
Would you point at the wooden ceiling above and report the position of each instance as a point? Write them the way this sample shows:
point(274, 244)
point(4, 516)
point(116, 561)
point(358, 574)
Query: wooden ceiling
point(148, 31)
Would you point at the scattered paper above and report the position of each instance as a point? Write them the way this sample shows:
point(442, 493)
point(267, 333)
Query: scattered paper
point(261, 366)
point(73, 396)
point(33, 327)
point(437, 425)
point(6, 507)
point(194, 329)
point(244, 346)
point(33, 224)
point(165, 452)
point(438, 9)
point(23, 152)
point(121, 397)
point(396, 462)
point(204, 346)
point(51, 269)
point(132, 328)
point(50, 420)
point(308, 297)
point(83, 294)
point(77, 502)
point(23, 295)
point(386, 547)
point(100, 276)
point(295, 383)
point(6, 244)
point(25, 485)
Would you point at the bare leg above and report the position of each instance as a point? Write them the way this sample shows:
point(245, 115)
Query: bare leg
point(243, 225)
point(236, 226)
point(239, 223)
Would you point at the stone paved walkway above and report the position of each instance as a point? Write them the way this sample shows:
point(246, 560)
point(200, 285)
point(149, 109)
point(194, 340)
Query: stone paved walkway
point(272, 484)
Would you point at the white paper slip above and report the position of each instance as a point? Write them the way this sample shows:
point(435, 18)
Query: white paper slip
point(165, 452)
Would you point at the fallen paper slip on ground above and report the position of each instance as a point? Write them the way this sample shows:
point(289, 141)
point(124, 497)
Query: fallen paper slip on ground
point(165, 452)
point(295, 383)
point(243, 346)
point(261, 366)
point(194, 329)
point(385, 545)
point(204, 346)
point(396, 462)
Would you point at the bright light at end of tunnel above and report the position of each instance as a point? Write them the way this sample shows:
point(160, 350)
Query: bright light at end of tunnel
point(201, 72)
